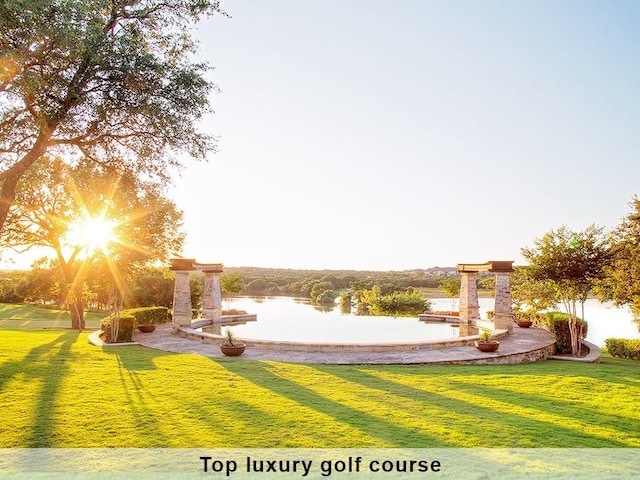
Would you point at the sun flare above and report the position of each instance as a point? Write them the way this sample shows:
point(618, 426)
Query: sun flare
point(93, 233)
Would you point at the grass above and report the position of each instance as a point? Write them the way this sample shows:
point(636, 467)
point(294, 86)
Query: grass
point(33, 317)
point(56, 390)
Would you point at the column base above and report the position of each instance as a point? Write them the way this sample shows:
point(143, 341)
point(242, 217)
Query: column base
point(503, 322)
point(182, 320)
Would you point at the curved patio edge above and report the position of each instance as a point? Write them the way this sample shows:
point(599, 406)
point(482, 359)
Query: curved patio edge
point(595, 352)
point(520, 346)
point(195, 334)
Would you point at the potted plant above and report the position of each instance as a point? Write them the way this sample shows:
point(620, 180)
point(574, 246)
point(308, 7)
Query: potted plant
point(230, 345)
point(524, 322)
point(147, 318)
point(485, 344)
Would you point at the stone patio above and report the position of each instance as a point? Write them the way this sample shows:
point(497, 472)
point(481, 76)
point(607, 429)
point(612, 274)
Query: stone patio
point(522, 345)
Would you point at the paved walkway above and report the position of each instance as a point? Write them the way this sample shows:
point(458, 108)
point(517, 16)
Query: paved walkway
point(523, 345)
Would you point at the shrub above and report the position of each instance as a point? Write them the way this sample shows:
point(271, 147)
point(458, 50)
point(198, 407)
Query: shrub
point(558, 323)
point(125, 330)
point(397, 303)
point(623, 348)
point(148, 315)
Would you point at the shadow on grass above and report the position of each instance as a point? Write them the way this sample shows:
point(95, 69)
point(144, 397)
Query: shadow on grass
point(260, 374)
point(47, 364)
point(534, 433)
point(131, 361)
point(134, 357)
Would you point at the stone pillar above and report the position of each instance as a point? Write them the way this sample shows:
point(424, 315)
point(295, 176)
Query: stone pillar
point(211, 295)
point(503, 315)
point(182, 291)
point(182, 299)
point(469, 309)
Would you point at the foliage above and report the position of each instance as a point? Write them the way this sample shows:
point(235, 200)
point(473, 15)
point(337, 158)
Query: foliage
point(530, 296)
point(328, 297)
point(397, 303)
point(148, 315)
point(623, 348)
point(298, 283)
point(230, 339)
point(345, 298)
point(485, 335)
point(196, 285)
point(622, 281)
point(149, 399)
point(151, 286)
point(451, 285)
point(559, 324)
point(112, 81)
point(574, 262)
point(257, 286)
point(231, 284)
point(52, 198)
point(125, 329)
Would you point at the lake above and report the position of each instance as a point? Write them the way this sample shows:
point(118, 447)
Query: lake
point(295, 319)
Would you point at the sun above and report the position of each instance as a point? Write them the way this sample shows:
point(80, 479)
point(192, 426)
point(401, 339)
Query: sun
point(93, 233)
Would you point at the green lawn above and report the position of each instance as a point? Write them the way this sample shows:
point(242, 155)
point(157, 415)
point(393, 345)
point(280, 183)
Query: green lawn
point(31, 317)
point(56, 390)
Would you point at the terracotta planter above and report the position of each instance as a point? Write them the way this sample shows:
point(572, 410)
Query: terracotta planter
point(489, 346)
point(148, 328)
point(524, 323)
point(233, 350)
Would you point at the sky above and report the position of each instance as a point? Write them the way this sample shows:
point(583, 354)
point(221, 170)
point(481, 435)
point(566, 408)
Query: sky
point(377, 135)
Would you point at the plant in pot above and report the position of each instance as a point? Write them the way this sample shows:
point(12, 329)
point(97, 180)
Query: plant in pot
point(147, 318)
point(230, 345)
point(485, 344)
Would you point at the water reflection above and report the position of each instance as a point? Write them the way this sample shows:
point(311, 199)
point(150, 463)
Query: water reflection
point(280, 317)
point(345, 309)
point(289, 319)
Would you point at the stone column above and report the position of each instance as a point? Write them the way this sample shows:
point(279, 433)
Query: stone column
point(469, 309)
point(503, 316)
point(182, 299)
point(182, 291)
point(212, 295)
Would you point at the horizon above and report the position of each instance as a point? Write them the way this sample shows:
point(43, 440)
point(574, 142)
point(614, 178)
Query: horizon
point(395, 136)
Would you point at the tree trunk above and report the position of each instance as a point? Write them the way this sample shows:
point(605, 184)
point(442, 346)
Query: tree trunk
point(76, 308)
point(11, 177)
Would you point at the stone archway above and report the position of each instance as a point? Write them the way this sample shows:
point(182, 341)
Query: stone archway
point(211, 295)
point(469, 309)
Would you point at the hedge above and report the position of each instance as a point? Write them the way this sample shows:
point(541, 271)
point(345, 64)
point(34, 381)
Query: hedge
point(560, 327)
point(623, 348)
point(125, 330)
point(148, 315)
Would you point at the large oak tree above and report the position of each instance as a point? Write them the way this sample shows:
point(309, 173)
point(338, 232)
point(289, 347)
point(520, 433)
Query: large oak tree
point(112, 81)
point(90, 214)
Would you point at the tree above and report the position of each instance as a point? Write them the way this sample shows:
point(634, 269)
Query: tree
point(89, 215)
point(573, 262)
point(231, 284)
point(622, 280)
point(409, 301)
point(451, 286)
point(152, 286)
point(530, 296)
point(108, 80)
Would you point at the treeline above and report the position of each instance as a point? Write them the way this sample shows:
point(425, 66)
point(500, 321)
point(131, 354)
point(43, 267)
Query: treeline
point(301, 283)
point(153, 286)
point(44, 285)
